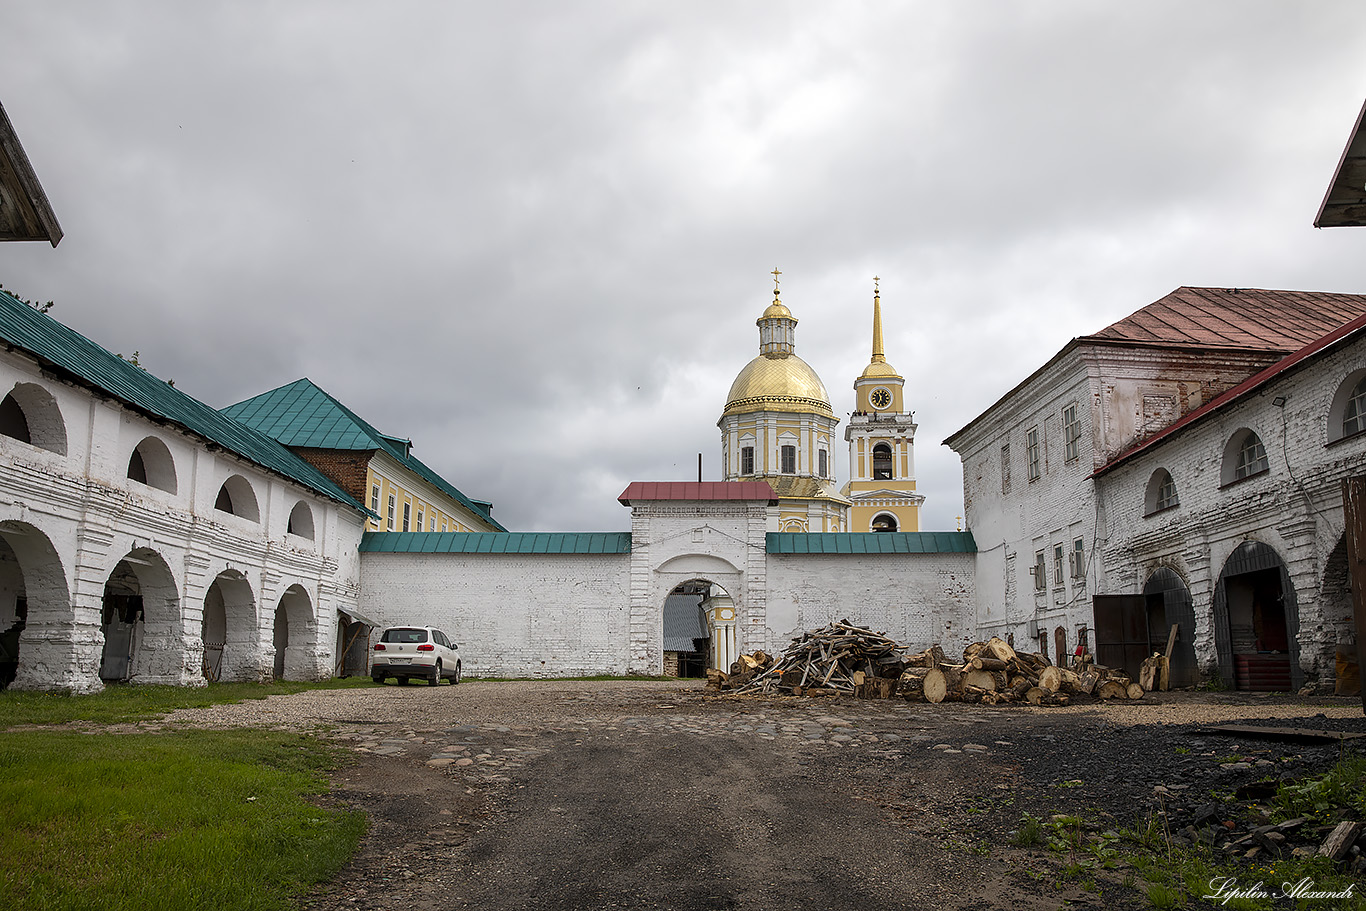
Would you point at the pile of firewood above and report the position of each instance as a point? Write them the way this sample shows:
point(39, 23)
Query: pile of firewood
point(845, 659)
point(841, 659)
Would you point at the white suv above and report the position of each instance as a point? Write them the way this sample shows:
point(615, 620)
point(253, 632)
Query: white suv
point(415, 651)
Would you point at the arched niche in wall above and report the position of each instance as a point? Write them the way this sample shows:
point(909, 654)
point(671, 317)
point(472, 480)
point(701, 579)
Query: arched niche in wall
point(151, 463)
point(237, 497)
point(29, 413)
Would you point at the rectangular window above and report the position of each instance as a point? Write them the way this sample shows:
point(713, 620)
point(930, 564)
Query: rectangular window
point(433, 525)
point(1005, 468)
point(1078, 559)
point(747, 460)
point(374, 499)
point(420, 518)
point(1057, 564)
point(407, 516)
point(1071, 431)
point(789, 460)
point(825, 464)
point(1032, 453)
point(392, 507)
point(1040, 572)
point(443, 524)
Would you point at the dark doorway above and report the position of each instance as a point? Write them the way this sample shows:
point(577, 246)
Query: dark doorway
point(1169, 604)
point(1256, 621)
point(1121, 624)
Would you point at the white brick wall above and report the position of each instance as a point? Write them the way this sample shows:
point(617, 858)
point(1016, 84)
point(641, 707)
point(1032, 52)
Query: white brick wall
point(71, 517)
point(513, 616)
point(1295, 508)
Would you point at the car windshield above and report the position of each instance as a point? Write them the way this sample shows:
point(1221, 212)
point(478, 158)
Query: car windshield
point(404, 635)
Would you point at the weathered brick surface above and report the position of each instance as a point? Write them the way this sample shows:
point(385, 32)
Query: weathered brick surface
point(348, 469)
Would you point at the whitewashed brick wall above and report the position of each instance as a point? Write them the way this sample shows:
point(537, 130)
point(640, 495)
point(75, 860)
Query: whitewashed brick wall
point(1295, 508)
point(545, 615)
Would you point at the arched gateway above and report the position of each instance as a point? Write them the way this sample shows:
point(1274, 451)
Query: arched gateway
point(697, 531)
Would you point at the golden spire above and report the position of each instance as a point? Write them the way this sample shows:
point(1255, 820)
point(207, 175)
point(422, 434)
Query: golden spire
point(878, 356)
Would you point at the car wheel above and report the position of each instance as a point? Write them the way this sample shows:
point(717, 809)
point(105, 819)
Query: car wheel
point(435, 678)
point(378, 679)
point(455, 678)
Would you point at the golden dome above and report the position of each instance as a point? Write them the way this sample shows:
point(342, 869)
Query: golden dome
point(778, 384)
point(879, 370)
point(777, 310)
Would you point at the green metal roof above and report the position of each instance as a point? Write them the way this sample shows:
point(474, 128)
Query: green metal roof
point(463, 542)
point(898, 542)
point(302, 414)
point(71, 353)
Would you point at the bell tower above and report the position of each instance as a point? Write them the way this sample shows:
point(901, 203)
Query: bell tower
point(881, 437)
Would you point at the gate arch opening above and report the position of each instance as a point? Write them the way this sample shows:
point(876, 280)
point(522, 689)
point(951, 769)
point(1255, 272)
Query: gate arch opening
point(229, 630)
point(294, 633)
point(1169, 604)
point(1256, 621)
point(699, 629)
point(140, 621)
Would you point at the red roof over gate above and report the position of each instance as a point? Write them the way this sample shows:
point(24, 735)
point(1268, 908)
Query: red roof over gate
point(644, 491)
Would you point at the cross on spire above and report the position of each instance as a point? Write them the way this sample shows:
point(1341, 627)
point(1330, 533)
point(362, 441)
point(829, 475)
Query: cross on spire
point(776, 273)
point(875, 281)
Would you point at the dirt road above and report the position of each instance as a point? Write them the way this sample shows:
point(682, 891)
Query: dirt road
point(631, 795)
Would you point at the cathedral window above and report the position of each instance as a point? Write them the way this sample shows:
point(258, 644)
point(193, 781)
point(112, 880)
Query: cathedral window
point(747, 460)
point(789, 454)
point(1244, 456)
point(825, 463)
point(882, 462)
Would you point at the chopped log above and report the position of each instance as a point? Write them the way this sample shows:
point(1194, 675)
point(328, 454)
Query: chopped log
point(953, 677)
point(1340, 840)
point(1035, 694)
point(999, 649)
point(1147, 674)
point(1050, 678)
point(858, 678)
point(935, 685)
point(1135, 691)
point(1019, 686)
point(1071, 681)
point(1112, 689)
point(982, 680)
point(1089, 681)
point(763, 658)
point(988, 664)
point(930, 657)
point(972, 651)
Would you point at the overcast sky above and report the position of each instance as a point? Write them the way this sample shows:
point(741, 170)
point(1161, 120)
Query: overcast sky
point(535, 237)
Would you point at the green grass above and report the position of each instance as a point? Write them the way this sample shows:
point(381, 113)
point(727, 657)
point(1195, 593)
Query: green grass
point(166, 821)
point(629, 678)
point(123, 703)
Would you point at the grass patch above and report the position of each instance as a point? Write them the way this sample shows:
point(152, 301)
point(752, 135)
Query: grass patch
point(125, 702)
point(631, 678)
point(166, 821)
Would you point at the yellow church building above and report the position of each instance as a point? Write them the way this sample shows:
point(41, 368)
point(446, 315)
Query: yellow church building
point(778, 426)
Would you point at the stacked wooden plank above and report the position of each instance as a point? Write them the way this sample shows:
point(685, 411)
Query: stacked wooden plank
point(847, 659)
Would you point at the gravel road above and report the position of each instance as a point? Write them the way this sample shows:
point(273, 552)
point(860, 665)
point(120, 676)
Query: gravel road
point(576, 795)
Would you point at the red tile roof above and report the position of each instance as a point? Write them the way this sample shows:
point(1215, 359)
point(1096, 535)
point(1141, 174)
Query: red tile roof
point(1250, 318)
point(1246, 387)
point(642, 491)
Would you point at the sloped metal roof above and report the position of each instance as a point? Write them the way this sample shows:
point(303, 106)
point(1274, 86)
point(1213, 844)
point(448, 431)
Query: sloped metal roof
point(896, 542)
point(1344, 205)
point(85, 362)
point(697, 490)
point(25, 213)
point(452, 542)
point(683, 622)
point(1252, 318)
point(303, 414)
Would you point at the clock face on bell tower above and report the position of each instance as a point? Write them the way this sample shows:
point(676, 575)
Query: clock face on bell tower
point(880, 398)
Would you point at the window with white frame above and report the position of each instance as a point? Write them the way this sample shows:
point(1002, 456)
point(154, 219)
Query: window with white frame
point(1071, 432)
point(882, 462)
point(1057, 564)
point(1078, 559)
point(420, 520)
point(392, 508)
point(1040, 572)
point(1244, 457)
point(1354, 411)
point(407, 516)
point(374, 499)
point(1161, 493)
point(1032, 453)
point(824, 463)
point(746, 460)
point(789, 457)
point(433, 525)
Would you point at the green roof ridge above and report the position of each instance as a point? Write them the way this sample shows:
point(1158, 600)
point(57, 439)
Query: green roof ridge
point(93, 365)
point(283, 413)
